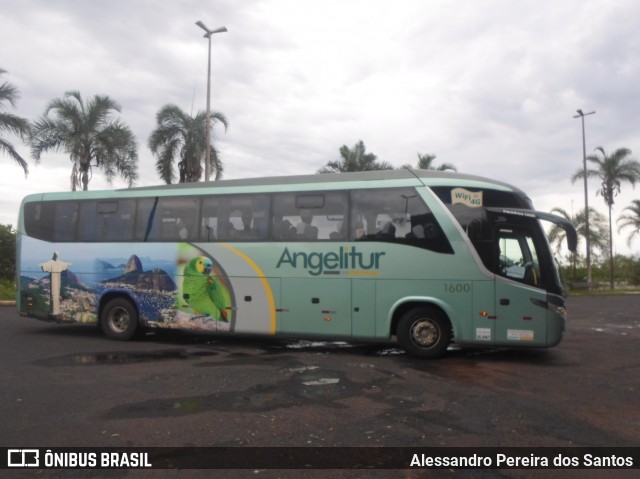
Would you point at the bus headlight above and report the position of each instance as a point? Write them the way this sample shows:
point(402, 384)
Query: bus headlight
point(560, 310)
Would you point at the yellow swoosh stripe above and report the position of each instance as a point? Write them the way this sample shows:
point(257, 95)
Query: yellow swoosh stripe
point(265, 285)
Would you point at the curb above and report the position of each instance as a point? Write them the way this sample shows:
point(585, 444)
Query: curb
point(7, 303)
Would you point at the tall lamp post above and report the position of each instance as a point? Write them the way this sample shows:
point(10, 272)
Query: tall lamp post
point(581, 115)
point(207, 35)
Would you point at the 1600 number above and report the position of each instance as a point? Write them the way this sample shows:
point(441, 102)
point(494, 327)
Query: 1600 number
point(457, 287)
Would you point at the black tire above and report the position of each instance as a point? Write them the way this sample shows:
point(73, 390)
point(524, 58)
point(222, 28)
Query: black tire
point(424, 332)
point(119, 319)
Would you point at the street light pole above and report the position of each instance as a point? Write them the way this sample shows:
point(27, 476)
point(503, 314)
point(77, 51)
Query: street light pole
point(581, 115)
point(207, 35)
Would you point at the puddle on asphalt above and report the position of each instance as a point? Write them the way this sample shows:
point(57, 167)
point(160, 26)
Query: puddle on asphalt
point(321, 382)
point(326, 388)
point(622, 329)
point(134, 357)
point(338, 347)
point(122, 357)
point(318, 344)
point(389, 352)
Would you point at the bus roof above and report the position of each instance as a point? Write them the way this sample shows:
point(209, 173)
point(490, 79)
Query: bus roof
point(426, 177)
point(330, 181)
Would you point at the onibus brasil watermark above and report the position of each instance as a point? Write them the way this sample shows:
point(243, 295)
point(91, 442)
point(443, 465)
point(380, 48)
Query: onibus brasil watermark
point(35, 458)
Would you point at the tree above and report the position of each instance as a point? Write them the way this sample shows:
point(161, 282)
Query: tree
point(425, 162)
point(7, 252)
point(597, 231)
point(355, 159)
point(611, 170)
point(11, 123)
point(179, 135)
point(631, 220)
point(628, 269)
point(88, 132)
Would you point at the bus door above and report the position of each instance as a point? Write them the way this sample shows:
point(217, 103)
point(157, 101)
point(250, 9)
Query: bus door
point(519, 288)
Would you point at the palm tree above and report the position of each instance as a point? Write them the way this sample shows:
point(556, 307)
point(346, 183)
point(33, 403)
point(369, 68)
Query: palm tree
point(12, 123)
point(87, 131)
point(181, 135)
point(355, 159)
point(611, 170)
point(631, 220)
point(425, 162)
point(597, 231)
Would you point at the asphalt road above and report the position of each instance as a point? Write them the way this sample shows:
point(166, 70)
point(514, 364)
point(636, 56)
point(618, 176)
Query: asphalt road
point(67, 385)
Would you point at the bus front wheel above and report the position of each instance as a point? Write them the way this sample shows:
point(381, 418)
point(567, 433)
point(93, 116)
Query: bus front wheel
point(424, 332)
point(119, 319)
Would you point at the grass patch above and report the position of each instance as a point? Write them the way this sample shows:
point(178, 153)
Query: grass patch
point(7, 290)
point(603, 292)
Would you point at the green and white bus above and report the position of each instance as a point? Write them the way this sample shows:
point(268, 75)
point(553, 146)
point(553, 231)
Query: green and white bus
point(426, 257)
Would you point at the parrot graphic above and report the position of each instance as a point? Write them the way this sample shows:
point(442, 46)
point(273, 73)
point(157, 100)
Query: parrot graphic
point(202, 291)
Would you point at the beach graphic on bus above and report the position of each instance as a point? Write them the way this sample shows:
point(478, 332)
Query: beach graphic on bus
point(182, 289)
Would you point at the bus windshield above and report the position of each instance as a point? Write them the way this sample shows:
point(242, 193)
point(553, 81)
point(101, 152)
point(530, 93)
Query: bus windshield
point(507, 235)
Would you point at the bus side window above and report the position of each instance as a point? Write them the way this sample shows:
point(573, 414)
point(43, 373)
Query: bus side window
point(65, 221)
point(517, 256)
point(109, 220)
point(145, 218)
point(209, 219)
point(90, 225)
point(38, 219)
point(243, 217)
point(119, 220)
point(168, 219)
point(310, 216)
point(397, 215)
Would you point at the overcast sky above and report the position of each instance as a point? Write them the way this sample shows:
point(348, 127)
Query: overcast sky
point(488, 85)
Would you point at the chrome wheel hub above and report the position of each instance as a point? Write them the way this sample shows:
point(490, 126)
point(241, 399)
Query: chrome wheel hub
point(424, 333)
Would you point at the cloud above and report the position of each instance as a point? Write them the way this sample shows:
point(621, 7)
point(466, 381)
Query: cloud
point(488, 86)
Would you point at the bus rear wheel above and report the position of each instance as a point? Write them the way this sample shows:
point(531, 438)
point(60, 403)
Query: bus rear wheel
point(119, 319)
point(424, 332)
